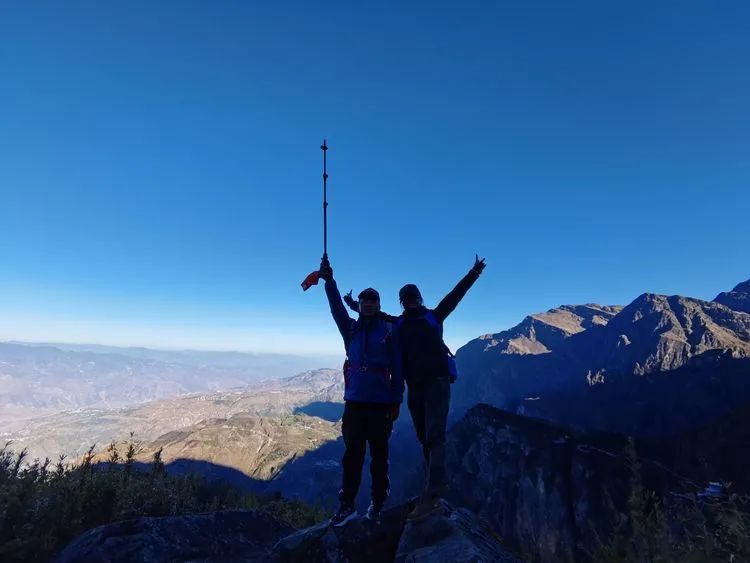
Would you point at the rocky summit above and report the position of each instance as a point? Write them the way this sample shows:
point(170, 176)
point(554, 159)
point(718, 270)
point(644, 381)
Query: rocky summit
point(448, 535)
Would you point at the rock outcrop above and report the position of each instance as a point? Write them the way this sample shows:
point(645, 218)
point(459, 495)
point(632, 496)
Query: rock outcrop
point(233, 535)
point(448, 535)
point(358, 540)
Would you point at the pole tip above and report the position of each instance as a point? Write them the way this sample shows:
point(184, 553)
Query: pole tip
point(324, 146)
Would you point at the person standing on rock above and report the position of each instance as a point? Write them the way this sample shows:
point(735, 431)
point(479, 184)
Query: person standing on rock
point(373, 391)
point(429, 369)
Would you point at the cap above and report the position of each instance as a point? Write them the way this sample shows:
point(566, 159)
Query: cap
point(369, 293)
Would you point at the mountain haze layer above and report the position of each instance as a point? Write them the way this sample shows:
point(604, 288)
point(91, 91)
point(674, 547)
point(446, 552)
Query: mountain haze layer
point(40, 379)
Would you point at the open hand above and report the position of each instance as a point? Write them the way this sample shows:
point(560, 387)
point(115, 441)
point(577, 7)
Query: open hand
point(478, 264)
point(349, 300)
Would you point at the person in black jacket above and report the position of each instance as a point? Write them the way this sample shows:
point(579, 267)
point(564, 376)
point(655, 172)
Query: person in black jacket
point(429, 369)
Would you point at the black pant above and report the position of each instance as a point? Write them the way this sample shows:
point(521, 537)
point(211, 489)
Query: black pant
point(365, 423)
point(428, 402)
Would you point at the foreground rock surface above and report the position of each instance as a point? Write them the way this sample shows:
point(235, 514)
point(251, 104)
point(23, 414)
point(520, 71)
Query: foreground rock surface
point(232, 535)
point(448, 535)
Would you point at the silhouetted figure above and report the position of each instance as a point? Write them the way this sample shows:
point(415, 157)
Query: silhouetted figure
point(373, 391)
point(429, 369)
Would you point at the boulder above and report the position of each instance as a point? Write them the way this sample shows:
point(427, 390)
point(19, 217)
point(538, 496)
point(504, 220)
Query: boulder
point(231, 535)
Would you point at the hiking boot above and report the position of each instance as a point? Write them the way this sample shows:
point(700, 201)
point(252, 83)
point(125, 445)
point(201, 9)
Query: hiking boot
point(374, 511)
point(425, 506)
point(345, 513)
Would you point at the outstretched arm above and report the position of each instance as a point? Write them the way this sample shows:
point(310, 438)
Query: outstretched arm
point(451, 301)
point(338, 311)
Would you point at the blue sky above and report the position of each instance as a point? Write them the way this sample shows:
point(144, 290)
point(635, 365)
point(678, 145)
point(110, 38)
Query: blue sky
point(160, 169)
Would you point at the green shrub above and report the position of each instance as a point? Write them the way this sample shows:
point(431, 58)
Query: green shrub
point(668, 528)
point(43, 505)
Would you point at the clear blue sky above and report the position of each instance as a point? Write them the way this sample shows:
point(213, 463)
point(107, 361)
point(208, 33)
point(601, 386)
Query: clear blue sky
point(160, 169)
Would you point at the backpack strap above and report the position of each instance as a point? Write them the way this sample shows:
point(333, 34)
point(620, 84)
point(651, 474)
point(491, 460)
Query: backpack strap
point(432, 320)
point(352, 332)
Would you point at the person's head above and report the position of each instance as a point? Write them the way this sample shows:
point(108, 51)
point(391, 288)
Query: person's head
point(369, 302)
point(409, 296)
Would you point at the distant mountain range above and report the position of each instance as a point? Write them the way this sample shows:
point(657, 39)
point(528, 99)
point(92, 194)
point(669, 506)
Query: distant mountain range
point(39, 379)
point(73, 432)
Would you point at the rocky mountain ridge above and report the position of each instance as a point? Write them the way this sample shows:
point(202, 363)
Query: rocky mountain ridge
point(541, 332)
point(653, 336)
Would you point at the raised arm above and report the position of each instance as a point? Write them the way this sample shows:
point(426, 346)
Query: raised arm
point(338, 311)
point(451, 301)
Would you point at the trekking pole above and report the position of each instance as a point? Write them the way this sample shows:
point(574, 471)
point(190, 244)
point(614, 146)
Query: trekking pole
point(313, 277)
point(324, 148)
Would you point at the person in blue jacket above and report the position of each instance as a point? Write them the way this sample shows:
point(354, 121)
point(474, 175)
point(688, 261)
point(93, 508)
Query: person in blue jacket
point(429, 369)
point(373, 391)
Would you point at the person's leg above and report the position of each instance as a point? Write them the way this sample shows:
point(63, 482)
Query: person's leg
point(380, 427)
point(415, 401)
point(354, 431)
point(437, 399)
